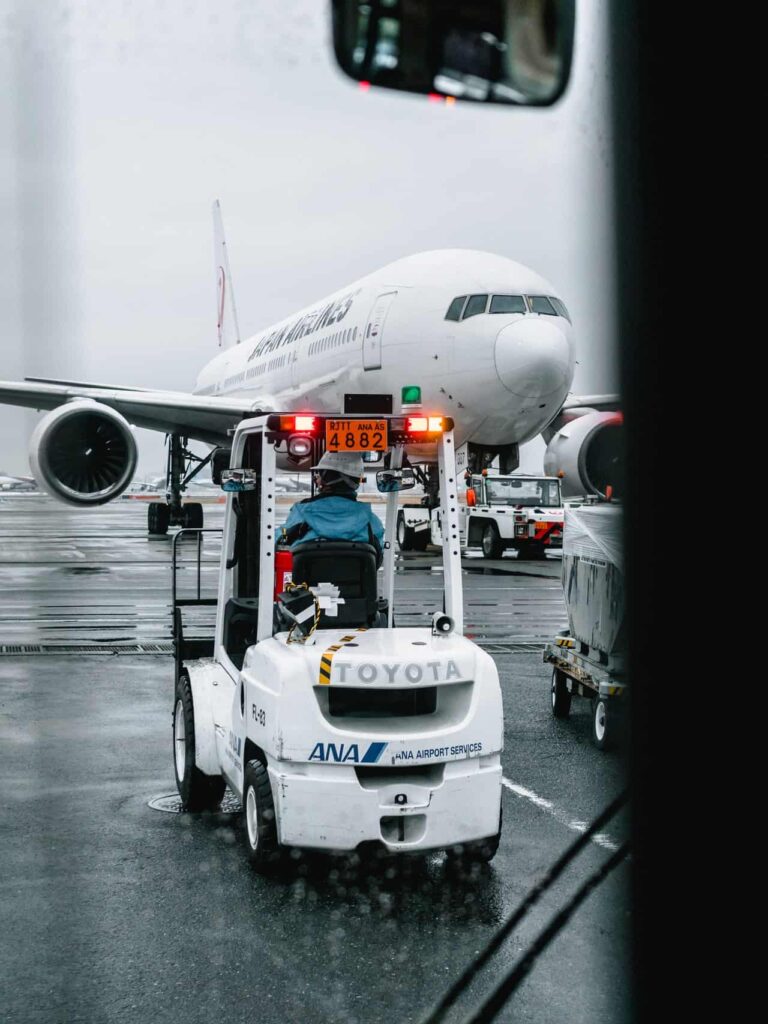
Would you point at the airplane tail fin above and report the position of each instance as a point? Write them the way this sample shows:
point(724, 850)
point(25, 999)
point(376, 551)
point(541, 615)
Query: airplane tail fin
point(226, 314)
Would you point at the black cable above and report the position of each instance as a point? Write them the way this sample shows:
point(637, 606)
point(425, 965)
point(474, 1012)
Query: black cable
point(438, 1012)
point(518, 973)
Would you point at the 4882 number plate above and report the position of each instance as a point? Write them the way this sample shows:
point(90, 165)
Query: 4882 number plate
point(356, 435)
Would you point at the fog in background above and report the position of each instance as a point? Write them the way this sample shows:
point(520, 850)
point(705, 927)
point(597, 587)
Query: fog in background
point(121, 122)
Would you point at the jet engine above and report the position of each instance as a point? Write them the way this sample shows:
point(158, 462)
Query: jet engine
point(587, 453)
point(83, 453)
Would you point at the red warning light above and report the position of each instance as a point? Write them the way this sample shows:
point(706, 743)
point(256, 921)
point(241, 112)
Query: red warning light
point(416, 425)
point(293, 424)
point(424, 425)
point(364, 86)
point(434, 97)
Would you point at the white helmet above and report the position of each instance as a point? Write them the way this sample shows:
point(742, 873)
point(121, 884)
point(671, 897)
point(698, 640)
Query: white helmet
point(347, 464)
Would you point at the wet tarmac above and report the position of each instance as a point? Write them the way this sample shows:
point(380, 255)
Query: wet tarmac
point(115, 910)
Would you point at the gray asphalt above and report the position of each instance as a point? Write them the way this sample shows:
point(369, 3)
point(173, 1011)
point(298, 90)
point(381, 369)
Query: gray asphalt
point(114, 911)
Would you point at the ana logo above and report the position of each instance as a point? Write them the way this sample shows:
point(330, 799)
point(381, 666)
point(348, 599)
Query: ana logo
point(235, 743)
point(341, 753)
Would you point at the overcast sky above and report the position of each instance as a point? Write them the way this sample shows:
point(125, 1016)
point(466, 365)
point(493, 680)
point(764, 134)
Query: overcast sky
point(123, 121)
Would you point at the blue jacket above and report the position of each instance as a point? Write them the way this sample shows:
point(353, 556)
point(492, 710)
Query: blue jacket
point(334, 518)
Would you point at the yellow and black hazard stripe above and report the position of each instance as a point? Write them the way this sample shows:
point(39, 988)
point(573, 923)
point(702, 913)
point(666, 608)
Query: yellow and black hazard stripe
point(326, 658)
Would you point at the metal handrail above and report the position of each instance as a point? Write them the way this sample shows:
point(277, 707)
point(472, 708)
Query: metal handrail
point(174, 565)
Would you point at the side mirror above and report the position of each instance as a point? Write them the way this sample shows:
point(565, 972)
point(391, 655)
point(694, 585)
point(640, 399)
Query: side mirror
point(498, 51)
point(238, 480)
point(389, 480)
point(471, 497)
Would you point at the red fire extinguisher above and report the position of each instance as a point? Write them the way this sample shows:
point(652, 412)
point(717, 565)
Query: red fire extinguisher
point(283, 569)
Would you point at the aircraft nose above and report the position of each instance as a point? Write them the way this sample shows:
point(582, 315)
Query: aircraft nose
point(533, 358)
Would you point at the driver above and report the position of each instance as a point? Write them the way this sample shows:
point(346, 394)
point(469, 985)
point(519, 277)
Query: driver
point(334, 512)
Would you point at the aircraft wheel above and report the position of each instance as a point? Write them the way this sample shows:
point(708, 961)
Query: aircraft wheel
point(561, 698)
point(192, 516)
point(404, 534)
point(259, 818)
point(198, 791)
point(158, 517)
point(491, 543)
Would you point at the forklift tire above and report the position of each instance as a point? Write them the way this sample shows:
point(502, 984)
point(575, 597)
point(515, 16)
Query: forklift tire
point(561, 698)
point(259, 818)
point(480, 851)
point(198, 792)
point(158, 517)
point(604, 725)
point(192, 516)
point(491, 543)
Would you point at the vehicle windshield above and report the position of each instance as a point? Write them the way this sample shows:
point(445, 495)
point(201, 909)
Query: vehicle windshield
point(517, 491)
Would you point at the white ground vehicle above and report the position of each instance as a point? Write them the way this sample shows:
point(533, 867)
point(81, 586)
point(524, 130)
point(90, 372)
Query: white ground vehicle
point(364, 733)
point(520, 512)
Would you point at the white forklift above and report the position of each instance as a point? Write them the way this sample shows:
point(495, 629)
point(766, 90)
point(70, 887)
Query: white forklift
point(336, 729)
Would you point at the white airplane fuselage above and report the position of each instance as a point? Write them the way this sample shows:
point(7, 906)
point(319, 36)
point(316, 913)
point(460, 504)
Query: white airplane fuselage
point(501, 376)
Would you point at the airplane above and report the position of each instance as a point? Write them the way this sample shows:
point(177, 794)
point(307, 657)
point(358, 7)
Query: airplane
point(482, 339)
point(16, 483)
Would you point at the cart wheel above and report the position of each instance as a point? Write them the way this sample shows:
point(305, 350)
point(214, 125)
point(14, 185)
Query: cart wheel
point(198, 791)
point(561, 698)
point(604, 725)
point(259, 818)
point(404, 534)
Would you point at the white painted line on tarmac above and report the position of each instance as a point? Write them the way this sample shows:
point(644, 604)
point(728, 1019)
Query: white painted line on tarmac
point(602, 839)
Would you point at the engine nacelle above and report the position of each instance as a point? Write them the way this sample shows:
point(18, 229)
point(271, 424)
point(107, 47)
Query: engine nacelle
point(587, 453)
point(83, 453)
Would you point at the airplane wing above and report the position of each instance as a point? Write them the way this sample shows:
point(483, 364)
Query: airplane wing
point(199, 417)
point(605, 402)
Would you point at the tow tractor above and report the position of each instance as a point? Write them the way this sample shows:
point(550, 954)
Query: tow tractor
point(336, 729)
point(520, 512)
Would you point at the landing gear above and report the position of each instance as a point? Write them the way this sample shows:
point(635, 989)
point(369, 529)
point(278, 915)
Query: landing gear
point(161, 515)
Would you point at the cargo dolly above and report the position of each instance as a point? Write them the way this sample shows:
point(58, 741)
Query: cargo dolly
point(578, 671)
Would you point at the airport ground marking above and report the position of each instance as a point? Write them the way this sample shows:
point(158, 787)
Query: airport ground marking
point(602, 839)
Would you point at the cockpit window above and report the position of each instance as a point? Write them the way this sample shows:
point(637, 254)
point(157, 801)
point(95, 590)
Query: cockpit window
point(560, 307)
point(507, 304)
point(476, 304)
point(455, 308)
point(541, 304)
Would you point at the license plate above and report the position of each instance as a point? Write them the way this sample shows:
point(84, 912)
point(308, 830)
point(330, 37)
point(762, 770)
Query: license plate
point(356, 435)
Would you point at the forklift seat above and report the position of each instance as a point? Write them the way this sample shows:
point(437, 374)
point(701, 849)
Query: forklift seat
point(351, 566)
